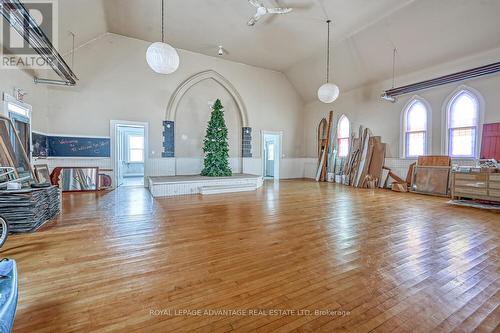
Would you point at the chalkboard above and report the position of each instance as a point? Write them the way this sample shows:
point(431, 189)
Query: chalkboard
point(60, 146)
point(40, 145)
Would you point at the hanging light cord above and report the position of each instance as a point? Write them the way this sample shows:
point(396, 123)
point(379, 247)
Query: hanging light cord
point(162, 20)
point(328, 53)
point(73, 51)
point(394, 67)
point(322, 5)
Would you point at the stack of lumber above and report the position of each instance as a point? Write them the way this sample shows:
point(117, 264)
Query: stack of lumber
point(28, 209)
point(365, 163)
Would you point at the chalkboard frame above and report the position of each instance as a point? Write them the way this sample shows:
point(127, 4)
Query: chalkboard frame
point(77, 146)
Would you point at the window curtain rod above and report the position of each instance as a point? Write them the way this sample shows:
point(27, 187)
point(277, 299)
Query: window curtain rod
point(490, 69)
point(20, 19)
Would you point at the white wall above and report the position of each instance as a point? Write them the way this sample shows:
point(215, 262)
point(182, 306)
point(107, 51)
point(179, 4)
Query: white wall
point(36, 95)
point(425, 32)
point(364, 106)
point(116, 83)
point(193, 114)
point(88, 24)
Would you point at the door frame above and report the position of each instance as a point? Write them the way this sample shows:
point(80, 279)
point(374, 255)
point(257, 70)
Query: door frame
point(113, 125)
point(8, 99)
point(277, 155)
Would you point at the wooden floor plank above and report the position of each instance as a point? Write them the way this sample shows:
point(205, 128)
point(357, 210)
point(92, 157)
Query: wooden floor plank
point(386, 261)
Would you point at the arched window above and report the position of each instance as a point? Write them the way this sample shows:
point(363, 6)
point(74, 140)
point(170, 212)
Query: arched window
point(343, 136)
point(463, 124)
point(415, 128)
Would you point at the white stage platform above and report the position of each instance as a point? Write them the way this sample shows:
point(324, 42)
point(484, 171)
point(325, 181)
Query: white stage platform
point(185, 185)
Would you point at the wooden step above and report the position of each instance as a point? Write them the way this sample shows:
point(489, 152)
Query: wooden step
point(217, 189)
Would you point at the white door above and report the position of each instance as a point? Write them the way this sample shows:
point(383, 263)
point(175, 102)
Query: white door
point(269, 158)
point(271, 155)
point(120, 145)
point(119, 153)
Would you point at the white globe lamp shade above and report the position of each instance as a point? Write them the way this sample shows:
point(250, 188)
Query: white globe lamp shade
point(328, 93)
point(162, 58)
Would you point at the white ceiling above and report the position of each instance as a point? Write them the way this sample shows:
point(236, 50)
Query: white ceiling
point(426, 33)
point(85, 18)
point(275, 42)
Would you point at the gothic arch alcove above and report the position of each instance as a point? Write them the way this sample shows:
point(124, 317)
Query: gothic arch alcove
point(197, 78)
point(190, 108)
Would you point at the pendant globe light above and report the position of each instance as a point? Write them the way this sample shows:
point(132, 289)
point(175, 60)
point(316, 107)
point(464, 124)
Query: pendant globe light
point(328, 92)
point(161, 57)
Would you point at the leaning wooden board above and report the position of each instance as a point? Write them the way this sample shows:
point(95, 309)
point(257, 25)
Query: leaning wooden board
point(364, 171)
point(363, 155)
point(368, 161)
point(377, 160)
point(321, 136)
point(353, 160)
point(327, 147)
point(435, 160)
point(432, 180)
point(356, 156)
point(320, 167)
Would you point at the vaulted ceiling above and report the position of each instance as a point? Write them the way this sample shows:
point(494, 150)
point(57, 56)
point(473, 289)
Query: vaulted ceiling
point(85, 18)
point(275, 42)
point(425, 32)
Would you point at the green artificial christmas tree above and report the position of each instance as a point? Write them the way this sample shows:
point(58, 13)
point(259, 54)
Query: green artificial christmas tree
point(215, 145)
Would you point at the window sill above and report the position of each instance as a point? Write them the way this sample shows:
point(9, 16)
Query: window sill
point(406, 158)
point(463, 158)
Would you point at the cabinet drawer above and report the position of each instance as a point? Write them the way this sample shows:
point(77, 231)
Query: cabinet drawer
point(495, 193)
point(465, 191)
point(470, 183)
point(471, 176)
point(495, 177)
point(494, 185)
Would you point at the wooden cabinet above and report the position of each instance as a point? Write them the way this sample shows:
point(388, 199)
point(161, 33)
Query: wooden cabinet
point(476, 185)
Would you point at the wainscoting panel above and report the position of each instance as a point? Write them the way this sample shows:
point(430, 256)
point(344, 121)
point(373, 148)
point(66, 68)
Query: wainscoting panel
point(193, 166)
point(101, 163)
point(294, 168)
point(399, 166)
point(310, 167)
point(160, 167)
point(289, 167)
point(252, 166)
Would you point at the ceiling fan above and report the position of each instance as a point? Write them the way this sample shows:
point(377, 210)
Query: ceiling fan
point(262, 11)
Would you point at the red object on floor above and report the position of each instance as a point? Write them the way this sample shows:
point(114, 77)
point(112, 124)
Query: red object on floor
point(54, 176)
point(490, 146)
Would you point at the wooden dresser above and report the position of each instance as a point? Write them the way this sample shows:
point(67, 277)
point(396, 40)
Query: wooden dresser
point(476, 185)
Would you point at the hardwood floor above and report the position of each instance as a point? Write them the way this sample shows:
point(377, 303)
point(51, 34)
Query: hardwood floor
point(372, 260)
